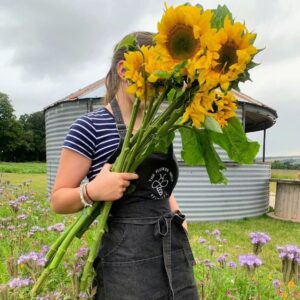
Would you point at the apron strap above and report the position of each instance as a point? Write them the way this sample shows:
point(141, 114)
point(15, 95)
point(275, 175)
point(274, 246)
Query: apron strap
point(121, 127)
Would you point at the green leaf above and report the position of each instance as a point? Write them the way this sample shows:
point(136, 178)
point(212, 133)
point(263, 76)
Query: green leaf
point(163, 144)
point(128, 41)
point(191, 152)
point(198, 149)
point(210, 123)
point(171, 95)
point(235, 142)
point(178, 67)
point(213, 162)
point(162, 74)
point(219, 15)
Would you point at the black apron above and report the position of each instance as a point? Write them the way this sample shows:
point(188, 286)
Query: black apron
point(146, 254)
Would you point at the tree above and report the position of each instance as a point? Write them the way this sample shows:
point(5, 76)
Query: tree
point(10, 130)
point(34, 135)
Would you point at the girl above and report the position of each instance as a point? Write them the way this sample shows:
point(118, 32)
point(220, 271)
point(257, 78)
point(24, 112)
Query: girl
point(146, 252)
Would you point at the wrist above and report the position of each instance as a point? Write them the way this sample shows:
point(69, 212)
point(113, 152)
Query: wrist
point(83, 197)
point(90, 188)
point(88, 196)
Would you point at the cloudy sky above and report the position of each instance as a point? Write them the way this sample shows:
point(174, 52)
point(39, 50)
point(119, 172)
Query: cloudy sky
point(49, 49)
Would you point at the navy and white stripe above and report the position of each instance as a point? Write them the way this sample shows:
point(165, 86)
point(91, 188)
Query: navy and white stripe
point(94, 136)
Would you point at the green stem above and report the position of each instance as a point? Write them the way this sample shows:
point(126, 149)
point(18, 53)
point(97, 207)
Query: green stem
point(57, 243)
point(160, 133)
point(62, 248)
point(125, 148)
point(97, 237)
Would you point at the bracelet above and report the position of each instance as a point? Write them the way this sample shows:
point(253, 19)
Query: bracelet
point(81, 193)
point(87, 194)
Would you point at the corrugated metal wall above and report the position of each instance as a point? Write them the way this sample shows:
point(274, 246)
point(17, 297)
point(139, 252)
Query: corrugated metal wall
point(245, 195)
point(58, 119)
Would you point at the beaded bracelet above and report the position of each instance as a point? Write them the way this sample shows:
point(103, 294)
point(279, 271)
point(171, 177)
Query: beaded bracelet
point(81, 193)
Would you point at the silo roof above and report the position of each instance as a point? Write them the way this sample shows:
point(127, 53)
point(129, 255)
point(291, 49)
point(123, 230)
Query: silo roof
point(258, 116)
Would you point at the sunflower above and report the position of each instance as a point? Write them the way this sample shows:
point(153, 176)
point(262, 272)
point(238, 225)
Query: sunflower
point(134, 64)
point(182, 36)
point(198, 109)
point(221, 106)
point(235, 53)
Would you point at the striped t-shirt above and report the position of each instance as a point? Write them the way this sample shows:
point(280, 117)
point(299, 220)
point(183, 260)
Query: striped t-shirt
point(94, 136)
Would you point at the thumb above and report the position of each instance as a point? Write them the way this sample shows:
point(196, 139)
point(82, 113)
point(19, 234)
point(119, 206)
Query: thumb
point(107, 167)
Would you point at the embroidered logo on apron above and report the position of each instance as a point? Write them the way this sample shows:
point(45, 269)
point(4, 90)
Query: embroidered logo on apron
point(160, 181)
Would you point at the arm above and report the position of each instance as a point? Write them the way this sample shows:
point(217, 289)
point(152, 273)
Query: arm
point(73, 167)
point(174, 206)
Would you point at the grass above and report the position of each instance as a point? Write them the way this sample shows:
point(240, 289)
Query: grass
point(213, 283)
point(287, 174)
point(282, 174)
point(23, 168)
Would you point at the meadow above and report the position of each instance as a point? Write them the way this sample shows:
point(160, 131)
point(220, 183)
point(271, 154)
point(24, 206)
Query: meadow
point(28, 226)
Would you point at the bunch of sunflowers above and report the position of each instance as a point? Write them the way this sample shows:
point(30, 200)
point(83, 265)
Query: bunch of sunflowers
point(197, 57)
point(198, 47)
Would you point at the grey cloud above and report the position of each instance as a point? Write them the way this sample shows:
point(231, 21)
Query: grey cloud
point(52, 38)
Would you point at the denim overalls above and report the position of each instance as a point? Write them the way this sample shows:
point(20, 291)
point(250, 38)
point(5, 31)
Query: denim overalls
point(146, 254)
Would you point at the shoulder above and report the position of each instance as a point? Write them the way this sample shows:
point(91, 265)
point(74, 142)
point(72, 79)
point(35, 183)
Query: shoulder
point(100, 116)
point(95, 119)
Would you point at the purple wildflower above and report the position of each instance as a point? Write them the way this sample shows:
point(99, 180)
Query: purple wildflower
point(276, 284)
point(249, 260)
point(290, 256)
point(290, 252)
point(216, 232)
point(45, 249)
point(19, 282)
point(37, 257)
point(222, 258)
point(59, 227)
point(22, 198)
point(202, 240)
point(35, 229)
point(14, 204)
point(22, 217)
point(231, 264)
point(82, 252)
point(259, 238)
point(208, 263)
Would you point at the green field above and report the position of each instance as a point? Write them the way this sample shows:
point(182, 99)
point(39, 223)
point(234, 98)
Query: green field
point(213, 283)
point(23, 168)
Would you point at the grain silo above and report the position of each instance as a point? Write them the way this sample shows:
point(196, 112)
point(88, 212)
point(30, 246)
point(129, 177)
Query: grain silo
point(247, 193)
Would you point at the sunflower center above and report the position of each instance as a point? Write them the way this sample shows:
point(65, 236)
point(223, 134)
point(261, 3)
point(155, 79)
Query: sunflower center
point(181, 43)
point(228, 57)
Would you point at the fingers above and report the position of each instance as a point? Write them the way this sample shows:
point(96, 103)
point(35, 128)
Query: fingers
point(129, 176)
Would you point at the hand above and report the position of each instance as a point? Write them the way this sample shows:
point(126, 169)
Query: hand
point(109, 186)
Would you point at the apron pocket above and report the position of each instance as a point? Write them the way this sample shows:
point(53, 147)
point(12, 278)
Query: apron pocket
point(143, 279)
point(112, 240)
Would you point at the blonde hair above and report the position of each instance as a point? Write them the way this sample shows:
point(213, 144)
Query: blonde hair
point(112, 79)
